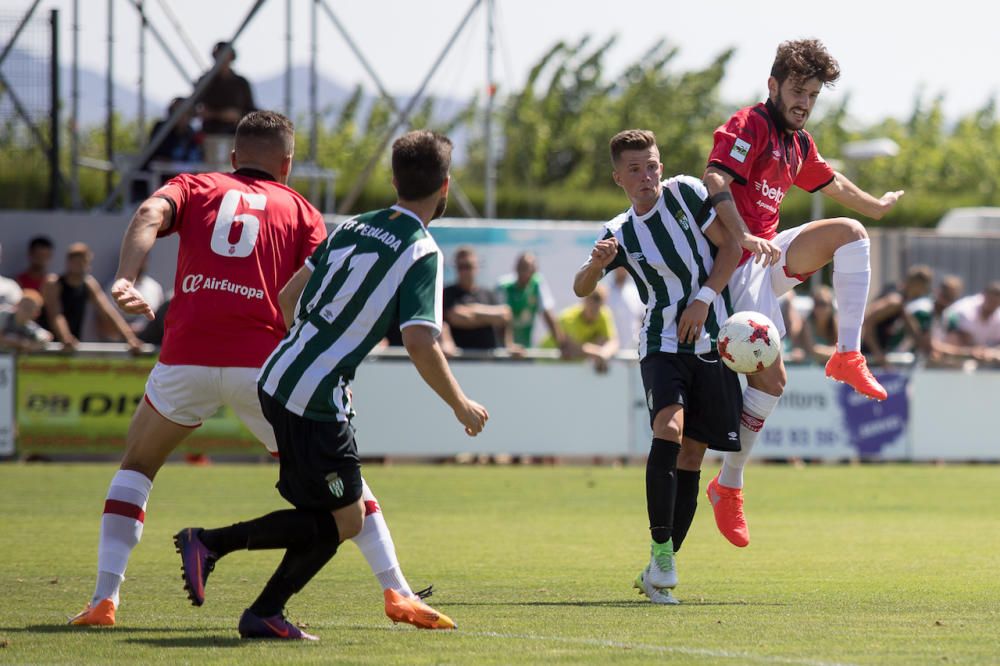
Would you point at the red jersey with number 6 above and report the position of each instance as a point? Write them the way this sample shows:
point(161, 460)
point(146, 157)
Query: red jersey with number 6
point(765, 160)
point(242, 237)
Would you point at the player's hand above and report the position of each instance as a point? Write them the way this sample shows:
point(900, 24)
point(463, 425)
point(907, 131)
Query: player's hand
point(692, 321)
point(604, 252)
point(889, 199)
point(764, 252)
point(473, 416)
point(129, 300)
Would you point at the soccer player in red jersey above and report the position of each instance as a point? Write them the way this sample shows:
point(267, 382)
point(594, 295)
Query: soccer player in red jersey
point(759, 153)
point(242, 237)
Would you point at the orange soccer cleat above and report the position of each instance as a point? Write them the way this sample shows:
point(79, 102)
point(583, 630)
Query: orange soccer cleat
point(101, 615)
point(851, 368)
point(414, 611)
point(728, 506)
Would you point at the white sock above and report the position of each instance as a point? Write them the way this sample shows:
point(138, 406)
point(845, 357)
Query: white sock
point(375, 543)
point(851, 279)
point(757, 406)
point(121, 529)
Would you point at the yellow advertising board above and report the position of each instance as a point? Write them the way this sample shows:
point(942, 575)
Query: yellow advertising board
point(74, 404)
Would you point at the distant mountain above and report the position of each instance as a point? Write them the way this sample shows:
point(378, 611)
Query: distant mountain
point(29, 76)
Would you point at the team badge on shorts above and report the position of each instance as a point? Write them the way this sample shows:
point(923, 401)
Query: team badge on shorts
point(335, 484)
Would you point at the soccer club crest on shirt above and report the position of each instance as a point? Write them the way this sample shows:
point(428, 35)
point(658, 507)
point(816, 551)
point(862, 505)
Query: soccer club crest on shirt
point(682, 219)
point(740, 151)
point(335, 484)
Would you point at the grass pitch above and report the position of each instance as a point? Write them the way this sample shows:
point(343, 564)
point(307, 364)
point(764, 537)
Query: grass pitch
point(866, 565)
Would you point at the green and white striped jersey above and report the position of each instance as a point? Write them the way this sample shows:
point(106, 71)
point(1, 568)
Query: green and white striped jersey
point(371, 267)
point(669, 257)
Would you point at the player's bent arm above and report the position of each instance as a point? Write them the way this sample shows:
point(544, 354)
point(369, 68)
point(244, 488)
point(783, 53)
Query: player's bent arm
point(717, 182)
point(842, 190)
point(586, 279)
point(289, 295)
point(154, 215)
point(423, 349)
point(109, 311)
point(727, 258)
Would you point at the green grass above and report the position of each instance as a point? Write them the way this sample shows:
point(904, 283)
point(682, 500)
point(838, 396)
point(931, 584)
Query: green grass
point(868, 565)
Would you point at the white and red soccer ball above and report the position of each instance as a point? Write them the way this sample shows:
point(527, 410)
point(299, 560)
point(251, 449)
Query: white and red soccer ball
point(749, 342)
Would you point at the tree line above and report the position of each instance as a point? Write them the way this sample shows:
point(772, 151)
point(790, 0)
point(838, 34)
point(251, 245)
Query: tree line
point(551, 141)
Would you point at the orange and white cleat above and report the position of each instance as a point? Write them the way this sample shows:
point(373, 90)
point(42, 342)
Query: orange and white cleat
point(412, 610)
point(851, 368)
point(101, 615)
point(727, 503)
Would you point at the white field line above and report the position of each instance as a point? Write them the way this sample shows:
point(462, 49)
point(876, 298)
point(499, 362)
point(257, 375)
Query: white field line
point(662, 649)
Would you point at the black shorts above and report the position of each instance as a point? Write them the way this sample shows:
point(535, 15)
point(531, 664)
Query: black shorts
point(708, 391)
point(319, 461)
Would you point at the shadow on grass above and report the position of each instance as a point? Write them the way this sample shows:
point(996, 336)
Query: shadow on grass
point(616, 603)
point(95, 631)
point(193, 642)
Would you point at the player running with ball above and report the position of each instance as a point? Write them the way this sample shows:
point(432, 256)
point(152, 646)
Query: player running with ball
point(758, 155)
point(681, 260)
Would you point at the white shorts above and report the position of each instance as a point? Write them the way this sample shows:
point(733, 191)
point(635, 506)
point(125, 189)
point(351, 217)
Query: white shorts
point(757, 288)
point(189, 394)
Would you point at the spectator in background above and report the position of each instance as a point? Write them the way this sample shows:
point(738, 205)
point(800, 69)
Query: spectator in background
point(898, 320)
point(589, 330)
point(973, 326)
point(791, 349)
point(819, 330)
point(182, 144)
point(477, 318)
point(150, 290)
point(39, 258)
point(10, 292)
point(66, 297)
point(527, 294)
point(18, 329)
point(227, 98)
point(626, 307)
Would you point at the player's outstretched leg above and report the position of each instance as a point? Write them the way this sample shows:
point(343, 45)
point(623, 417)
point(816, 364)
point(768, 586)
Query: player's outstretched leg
point(375, 543)
point(725, 491)
point(847, 242)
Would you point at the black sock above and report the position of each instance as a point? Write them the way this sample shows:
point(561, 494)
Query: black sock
point(298, 567)
point(687, 503)
point(289, 528)
point(661, 488)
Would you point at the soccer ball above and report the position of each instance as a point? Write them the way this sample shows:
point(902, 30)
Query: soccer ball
point(749, 342)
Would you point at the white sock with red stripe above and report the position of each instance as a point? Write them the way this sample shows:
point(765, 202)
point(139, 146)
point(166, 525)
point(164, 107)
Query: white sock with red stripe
point(376, 545)
point(121, 529)
point(757, 406)
point(851, 279)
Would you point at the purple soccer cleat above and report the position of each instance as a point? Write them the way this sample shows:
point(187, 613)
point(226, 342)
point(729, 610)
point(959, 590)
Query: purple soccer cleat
point(197, 561)
point(276, 627)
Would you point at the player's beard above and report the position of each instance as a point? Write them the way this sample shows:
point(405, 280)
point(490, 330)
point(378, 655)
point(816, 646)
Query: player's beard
point(791, 123)
point(442, 205)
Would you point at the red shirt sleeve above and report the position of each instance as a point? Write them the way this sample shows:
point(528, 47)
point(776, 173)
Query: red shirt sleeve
point(316, 234)
point(737, 144)
point(176, 191)
point(815, 173)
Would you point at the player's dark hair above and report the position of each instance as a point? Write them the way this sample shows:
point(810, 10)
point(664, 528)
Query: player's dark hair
point(420, 163)
point(631, 139)
point(267, 127)
point(804, 59)
point(40, 241)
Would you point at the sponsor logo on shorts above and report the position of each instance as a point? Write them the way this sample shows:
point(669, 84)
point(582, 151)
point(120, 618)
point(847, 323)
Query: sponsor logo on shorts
point(196, 282)
point(335, 484)
point(732, 436)
point(740, 151)
point(649, 399)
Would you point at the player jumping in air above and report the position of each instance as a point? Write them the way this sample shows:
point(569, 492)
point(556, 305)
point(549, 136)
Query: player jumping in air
point(759, 153)
point(374, 267)
point(680, 260)
point(242, 236)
